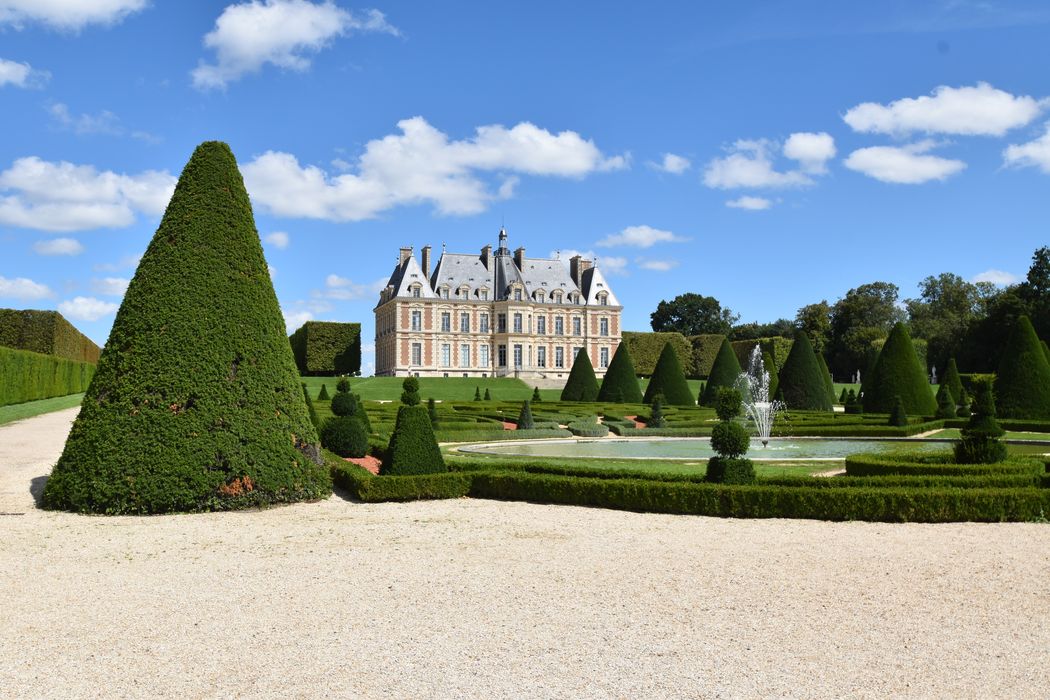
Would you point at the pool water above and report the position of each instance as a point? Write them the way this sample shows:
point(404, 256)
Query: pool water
point(778, 449)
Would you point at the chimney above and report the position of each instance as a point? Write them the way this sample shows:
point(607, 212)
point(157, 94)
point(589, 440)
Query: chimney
point(574, 269)
point(406, 253)
point(486, 253)
point(519, 258)
point(426, 261)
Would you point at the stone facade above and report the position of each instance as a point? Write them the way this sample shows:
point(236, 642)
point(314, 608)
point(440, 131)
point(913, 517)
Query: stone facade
point(494, 314)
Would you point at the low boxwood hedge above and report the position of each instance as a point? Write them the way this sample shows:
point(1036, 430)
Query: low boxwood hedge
point(494, 435)
point(364, 486)
point(936, 464)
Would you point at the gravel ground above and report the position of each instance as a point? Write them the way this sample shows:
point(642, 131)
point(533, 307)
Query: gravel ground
point(482, 599)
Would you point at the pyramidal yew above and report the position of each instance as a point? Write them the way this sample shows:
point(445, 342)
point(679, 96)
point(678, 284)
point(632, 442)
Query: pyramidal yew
point(196, 403)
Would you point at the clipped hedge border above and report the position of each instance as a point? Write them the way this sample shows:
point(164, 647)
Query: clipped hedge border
point(494, 435)
point(876, 465)
point(364, 486)
point(30, 376)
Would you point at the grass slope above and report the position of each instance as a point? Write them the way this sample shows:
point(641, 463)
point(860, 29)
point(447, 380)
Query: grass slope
point(21, 411)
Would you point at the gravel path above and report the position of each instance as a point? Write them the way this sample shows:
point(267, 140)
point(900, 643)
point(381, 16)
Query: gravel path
point(482, 599)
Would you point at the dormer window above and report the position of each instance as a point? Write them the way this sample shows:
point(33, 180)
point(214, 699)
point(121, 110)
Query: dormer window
point(444, 292)
point(517, 294)
point(556, 298)
point(483, 294)
point(416, 291)
point(603, 299)
point(539, 297)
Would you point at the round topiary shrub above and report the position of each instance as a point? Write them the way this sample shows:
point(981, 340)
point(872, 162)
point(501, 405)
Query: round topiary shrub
point(410, 393)
point(344, 404)
point(730, 439)
point(345, 436)
point(413, 448)
point(728, 403)
point(721, 470)
point(343, 385)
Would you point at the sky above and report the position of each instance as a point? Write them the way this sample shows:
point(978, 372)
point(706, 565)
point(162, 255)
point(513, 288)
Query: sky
point(770, 154)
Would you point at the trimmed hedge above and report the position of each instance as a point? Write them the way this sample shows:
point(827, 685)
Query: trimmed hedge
point(324, 348)
point(669, 381)
point(581, 385)
point(620, 384)
point(802, 383)
point(29, 376)
point(724, 373)
point(47, 333)
point(589, 427)
point(413, 448)
point(952, 380)
point(943, 464)
point(704, 351)
point(364, 486)
point(776, 347)
point(1022, 386)
point(494, 435)
point(196, 403)
point(645, 348)
point(898, 372)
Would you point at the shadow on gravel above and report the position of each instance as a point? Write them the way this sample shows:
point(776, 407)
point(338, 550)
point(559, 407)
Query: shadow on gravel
point(36, 487)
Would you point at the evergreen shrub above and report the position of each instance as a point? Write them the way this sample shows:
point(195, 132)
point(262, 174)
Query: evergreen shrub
point(323, 394)
point(898, 416)
point(323, 348)
point(802, 382)
point(620, 384)
point(898, 372)
point(724, 373)
point(343, 385)
point(413, 448)
point(946, 407)
point(344, 403)
point(410, 392)
point(525, 421)
point(345, 436)
point(310, 408)
point(582, 385)
point(980, 443)
point(1023, 381)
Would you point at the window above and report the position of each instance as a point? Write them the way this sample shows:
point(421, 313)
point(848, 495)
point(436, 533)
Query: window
point(541, 325)
point(559, 325)
point(603, 326)
point(464, 322)
point(577, 326)
point(556, 297)
point(517, 356)
point(576, 351)
point(517, 323)
point(417, 320)
point(604, 355)
point(446, 355)
point(444, 292)
point(501, 355)
point(416, 291)
point(464, 355)
point(603, 299)
point(483, 355)
point(517, 295)
point(541, 357)
point(417, 353)
point(501, 323)
point(484, 294)
point(483, 323)
point(446, 321)
point(559, 357)
point(539, 296)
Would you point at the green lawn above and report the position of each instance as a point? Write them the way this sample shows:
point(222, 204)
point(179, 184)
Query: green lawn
point(21, 411)
point(438, 388)
point(692, 466)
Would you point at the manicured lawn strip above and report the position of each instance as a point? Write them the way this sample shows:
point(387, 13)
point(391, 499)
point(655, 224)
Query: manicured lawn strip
point(915, 464)
point(21, 411)
point(438, 388)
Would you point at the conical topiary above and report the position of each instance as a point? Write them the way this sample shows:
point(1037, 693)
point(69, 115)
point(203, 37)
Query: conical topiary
point(898, 416)
point(536, 394)
point(525, 421)
point(842, 396)
point(829, 383)
point(802, 386)
point(1023, 380)
point(323, 395)
point(669, 379)
point(656, 414)
point(488, 395)
point(620, 381)
point(413, 448)
point(581, 385)
point(433, 413)
point(724, 372)
point(953, 380)
point(898, 372)
point(774, 380)
point(945, 403)
point(964, 405)
point(980, 443)
point(196, 403)
point(477, 393)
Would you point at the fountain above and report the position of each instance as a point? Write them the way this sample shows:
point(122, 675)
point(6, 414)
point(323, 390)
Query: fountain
point(753, 386)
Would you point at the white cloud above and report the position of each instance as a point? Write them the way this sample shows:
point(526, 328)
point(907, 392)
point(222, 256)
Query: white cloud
point(658, 265)
point(908, 165)
point(111, 286)
point(996, 277)
point(640, 237)
point(294, 319)
point(280, 32)
point(672, 163)
point(61, 196)
point(22, 288)
point(128, 261)
point(59, 246)
point(750, 164)
point(345, 289)
point(21, 75)
point(610, 264)
point(86, 308)
point(420, 165)
point(980, 110)
point(68, 15)
point(750, 203)
point(105, 122)
point(278, 239)
point(1035, 153)
point(272, 270)
point(812, 151)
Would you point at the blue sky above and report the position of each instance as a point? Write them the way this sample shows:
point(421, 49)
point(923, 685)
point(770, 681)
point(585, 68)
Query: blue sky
point(770, 154)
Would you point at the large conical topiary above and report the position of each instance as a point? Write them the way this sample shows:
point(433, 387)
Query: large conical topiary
point(802, 386)
point(829, 383)
point(774, 380)
point(413, 449)
point(898, 372)
point(1023, 382)
point(669, 379)
point(196, 403)
point(952, 380)
point(581, 385)
point(724, 372)
point(620, 380)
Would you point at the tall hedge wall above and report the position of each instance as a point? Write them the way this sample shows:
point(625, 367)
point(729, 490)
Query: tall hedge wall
point(777, 347)
point(325, 348)
point(705, 350)
point(47, 333)
point(645, 349)
point(29, 376)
